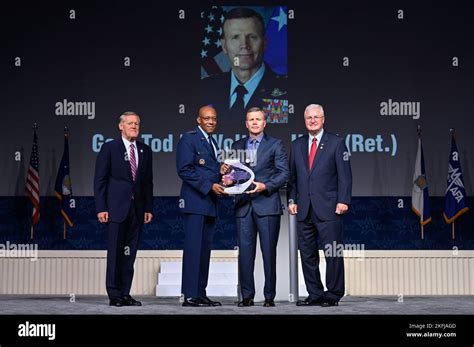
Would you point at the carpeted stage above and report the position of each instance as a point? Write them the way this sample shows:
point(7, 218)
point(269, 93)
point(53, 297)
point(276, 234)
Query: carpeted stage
point(349, 305)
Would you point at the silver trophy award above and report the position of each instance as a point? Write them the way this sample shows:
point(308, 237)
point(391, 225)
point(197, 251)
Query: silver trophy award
point(238, 179)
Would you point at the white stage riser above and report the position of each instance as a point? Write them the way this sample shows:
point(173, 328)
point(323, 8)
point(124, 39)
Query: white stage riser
point(214, 278)
point(214, 267)
point(378, 273)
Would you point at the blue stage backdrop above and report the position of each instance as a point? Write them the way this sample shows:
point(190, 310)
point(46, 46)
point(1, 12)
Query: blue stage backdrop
point(376, 223)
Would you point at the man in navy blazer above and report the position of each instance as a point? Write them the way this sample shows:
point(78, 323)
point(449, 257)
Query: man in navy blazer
point(200, 171)
point(319, 193)
point(259, 210)
point(123, 191)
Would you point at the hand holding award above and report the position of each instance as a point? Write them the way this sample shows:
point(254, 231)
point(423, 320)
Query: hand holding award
point(238, 178)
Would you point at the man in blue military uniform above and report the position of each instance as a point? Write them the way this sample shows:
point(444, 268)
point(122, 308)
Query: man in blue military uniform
point(251, 81)
point(198, 168)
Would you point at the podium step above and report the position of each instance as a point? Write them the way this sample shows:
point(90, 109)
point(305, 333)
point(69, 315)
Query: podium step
point(215, 266)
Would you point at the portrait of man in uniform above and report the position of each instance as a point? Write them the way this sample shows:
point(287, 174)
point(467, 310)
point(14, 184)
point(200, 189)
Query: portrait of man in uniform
point(244, 62)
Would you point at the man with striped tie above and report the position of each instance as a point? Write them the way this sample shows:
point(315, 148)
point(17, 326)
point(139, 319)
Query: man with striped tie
point(123, 190)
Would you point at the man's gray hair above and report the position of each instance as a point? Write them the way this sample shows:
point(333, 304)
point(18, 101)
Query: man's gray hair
point(128, 113)
point(309, 107)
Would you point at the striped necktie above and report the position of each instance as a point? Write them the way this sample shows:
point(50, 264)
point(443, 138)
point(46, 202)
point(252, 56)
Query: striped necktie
point(133, 162)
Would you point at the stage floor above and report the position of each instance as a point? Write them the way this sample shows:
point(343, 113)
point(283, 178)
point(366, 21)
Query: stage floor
point(349, 305)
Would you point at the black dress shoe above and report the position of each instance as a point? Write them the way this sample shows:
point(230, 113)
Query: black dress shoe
point(117, 302)
point(330, 303)
point(269, 303)
point(310, 302)
point(211, 302)
point(245, 302)
point(195, 302)
point(127, 300)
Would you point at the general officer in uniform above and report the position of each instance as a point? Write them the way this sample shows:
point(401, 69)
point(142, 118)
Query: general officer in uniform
point(200, 172)
point(250, 81)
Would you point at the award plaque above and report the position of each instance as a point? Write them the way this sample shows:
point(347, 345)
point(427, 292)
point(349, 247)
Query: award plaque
point(238, 179)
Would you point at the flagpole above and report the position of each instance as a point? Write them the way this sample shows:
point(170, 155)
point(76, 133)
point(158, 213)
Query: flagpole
point(455, 204)
point(452, 131)
point(418, 130)
point(62, 188)
point(35, 128)
point(66, 130)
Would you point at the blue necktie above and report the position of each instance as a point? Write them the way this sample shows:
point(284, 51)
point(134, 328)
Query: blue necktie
point(209, 139)
point(239, 103)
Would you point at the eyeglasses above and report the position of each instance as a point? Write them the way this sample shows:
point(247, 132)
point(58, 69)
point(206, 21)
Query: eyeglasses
point(314, 117)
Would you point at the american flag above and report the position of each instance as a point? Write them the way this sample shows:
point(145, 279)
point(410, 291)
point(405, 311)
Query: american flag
point(213, 59)
point(33, 181)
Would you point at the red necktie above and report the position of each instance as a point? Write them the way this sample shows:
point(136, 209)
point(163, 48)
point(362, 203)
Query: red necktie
point(133, 161)
point(312, 152)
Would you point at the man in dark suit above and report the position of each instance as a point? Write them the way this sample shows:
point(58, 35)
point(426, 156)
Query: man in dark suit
point(123, 191)
point(198, 168)
point(250, 81)
point(319, 193)
point(259, 209)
